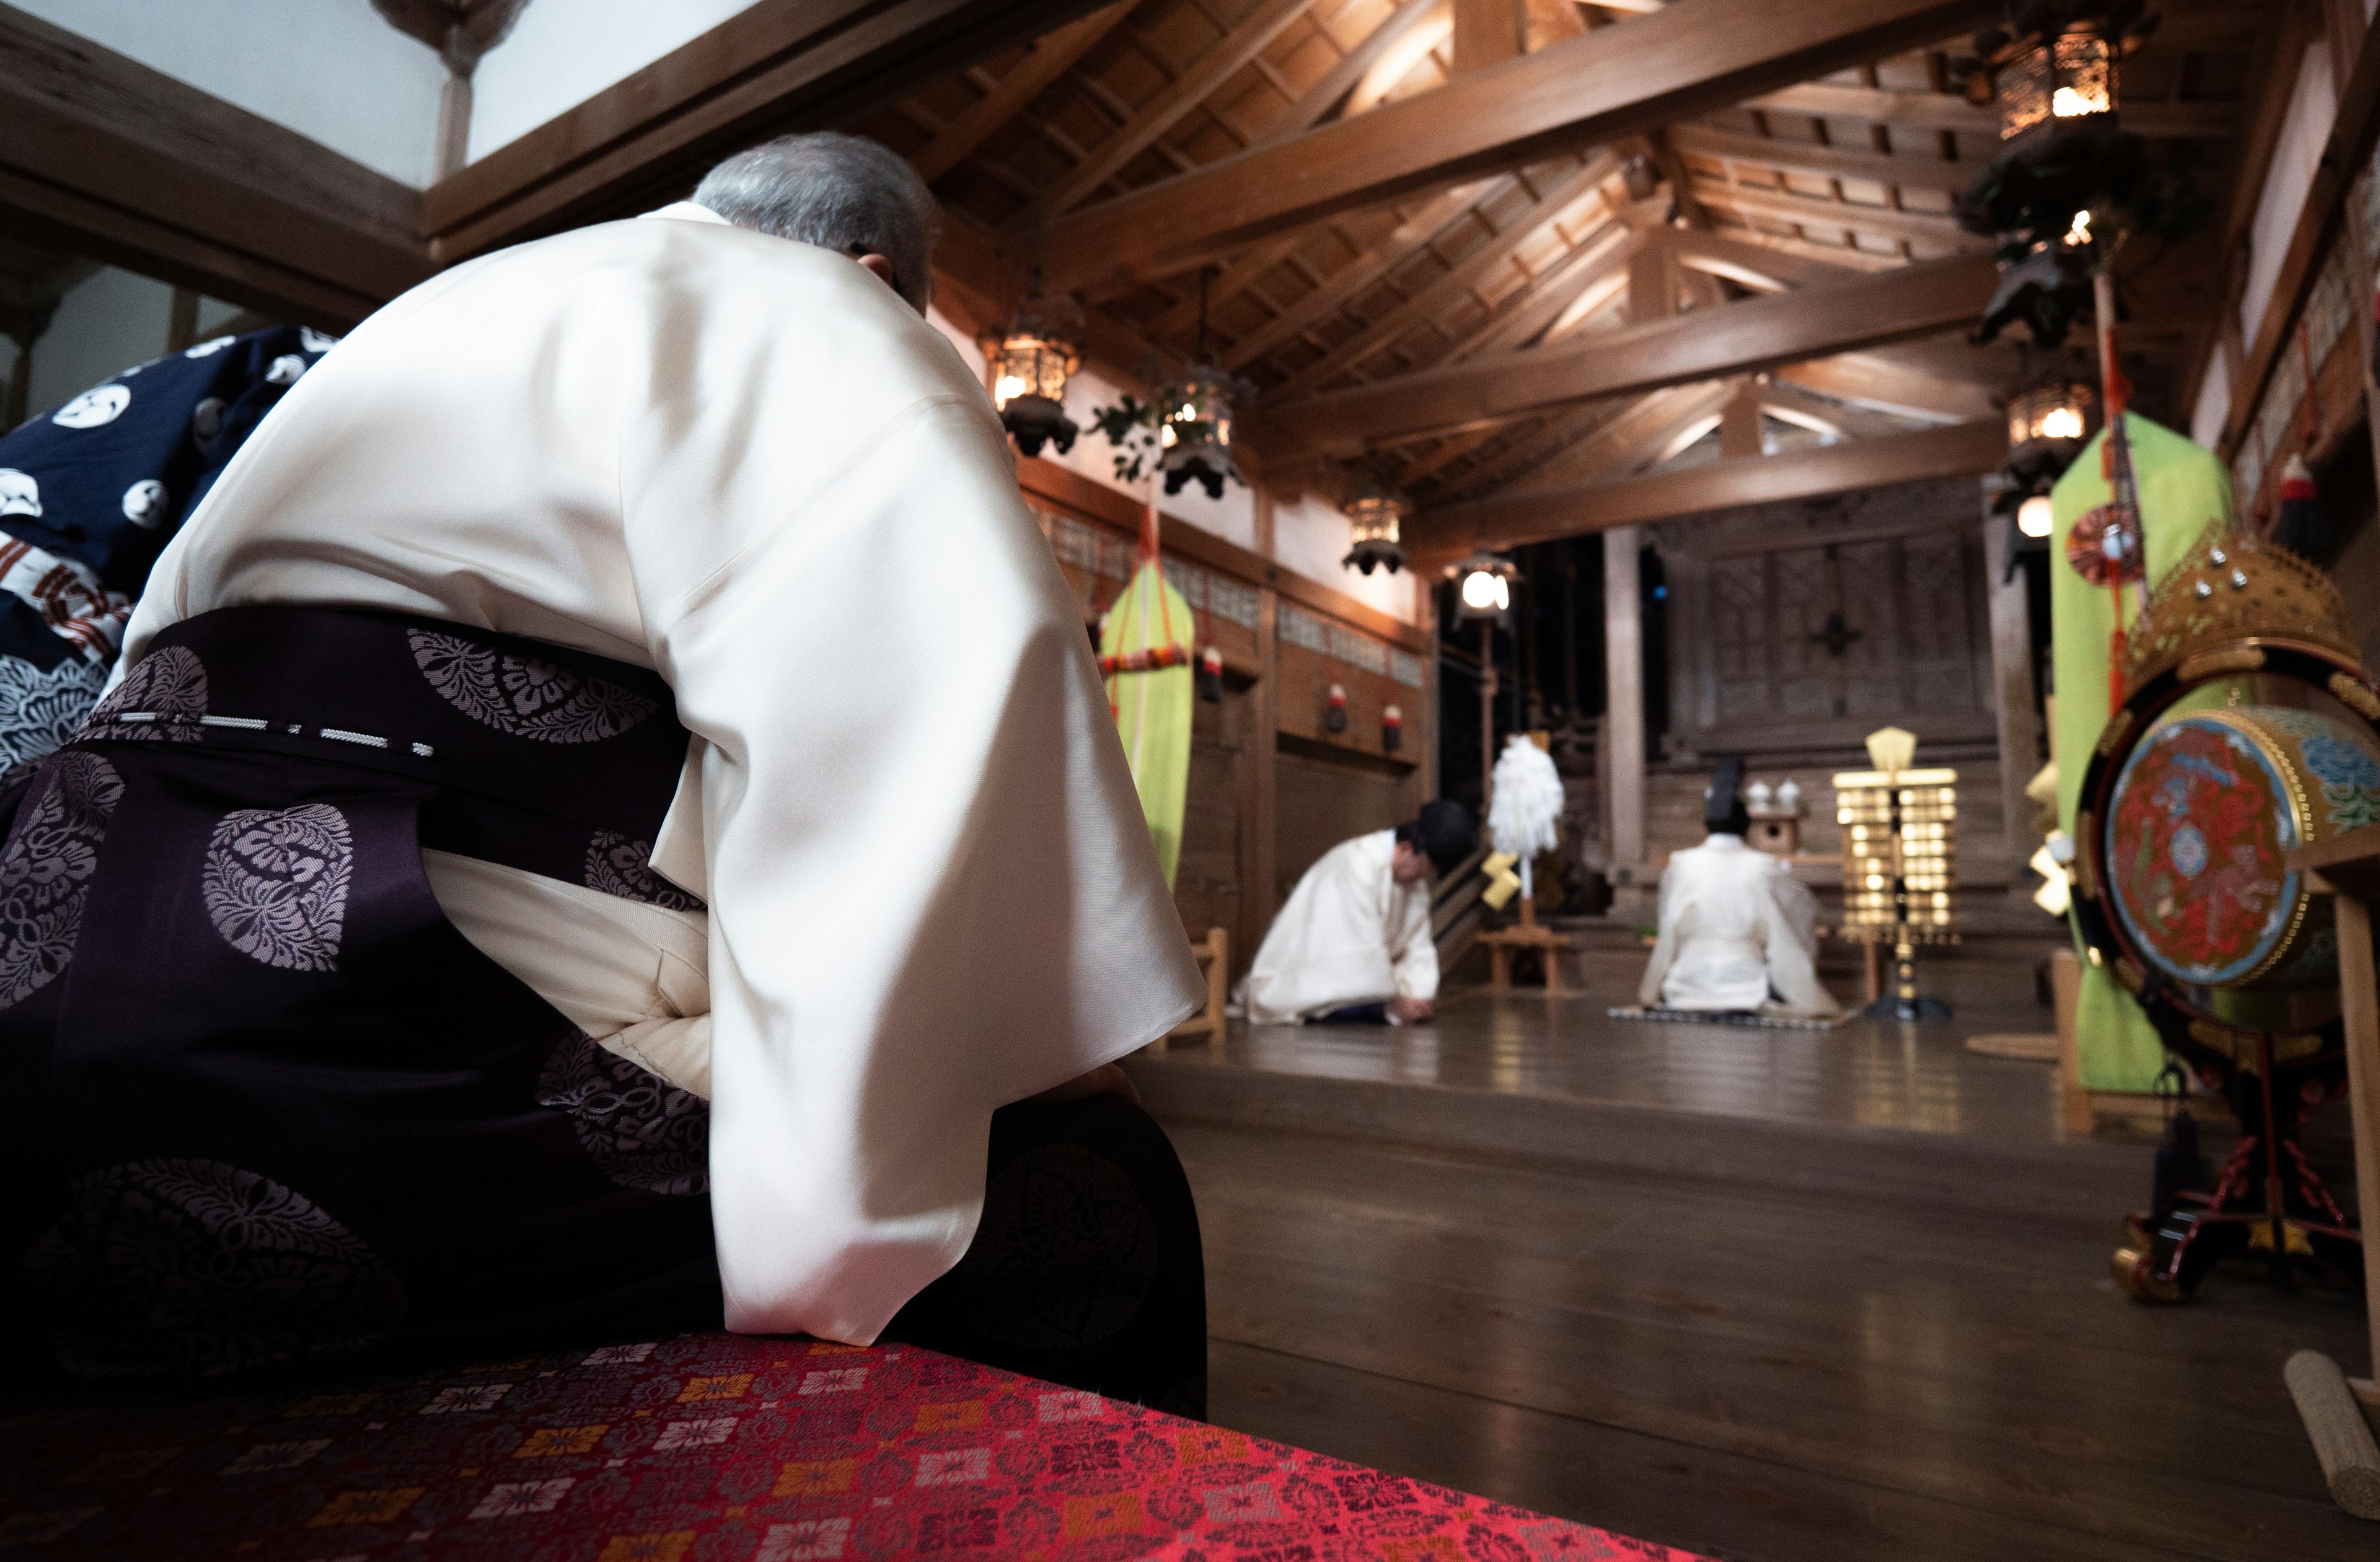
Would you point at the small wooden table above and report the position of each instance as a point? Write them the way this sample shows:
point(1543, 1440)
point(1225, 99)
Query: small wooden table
point(1526, 934)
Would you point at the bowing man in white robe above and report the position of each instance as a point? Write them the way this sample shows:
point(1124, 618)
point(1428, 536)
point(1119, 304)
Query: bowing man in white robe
point(1355, 935)
point(750, 465)
point(1737, 930)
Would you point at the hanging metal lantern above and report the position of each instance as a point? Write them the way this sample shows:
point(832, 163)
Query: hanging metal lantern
point(1028, 365)
point(1194, 431)
point(2047, 425)
point(2057, 414)
point(2066, 79)
point(1483, 587)
point(1375, 513)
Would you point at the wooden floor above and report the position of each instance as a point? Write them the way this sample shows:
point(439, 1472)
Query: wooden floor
point(1762, 1294)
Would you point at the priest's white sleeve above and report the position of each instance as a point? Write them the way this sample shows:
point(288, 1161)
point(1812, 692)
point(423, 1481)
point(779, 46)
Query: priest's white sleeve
point(931, 888)
point(1416, 958)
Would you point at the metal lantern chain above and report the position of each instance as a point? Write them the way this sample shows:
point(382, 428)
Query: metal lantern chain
point(1184, 430)
point(1030, 360)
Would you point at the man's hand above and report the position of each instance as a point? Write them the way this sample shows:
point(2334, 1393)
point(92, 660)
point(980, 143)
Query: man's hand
point(1105, 1080)
point(1410, 1011)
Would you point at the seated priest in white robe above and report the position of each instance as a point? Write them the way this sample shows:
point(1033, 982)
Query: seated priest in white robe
point(1737, 931)
point(607, 806)
point(1353, 944)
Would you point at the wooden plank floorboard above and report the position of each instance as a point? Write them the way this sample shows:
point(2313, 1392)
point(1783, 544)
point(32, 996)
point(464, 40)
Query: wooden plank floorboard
point(1721, 1504)
point(1974, 1364)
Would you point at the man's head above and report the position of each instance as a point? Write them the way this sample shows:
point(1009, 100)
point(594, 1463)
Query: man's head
point(1434, 844)
point(1723, 809)
point(836, 191)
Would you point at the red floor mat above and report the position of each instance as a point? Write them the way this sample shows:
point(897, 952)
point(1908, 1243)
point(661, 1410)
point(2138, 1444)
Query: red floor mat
point(718, 1448)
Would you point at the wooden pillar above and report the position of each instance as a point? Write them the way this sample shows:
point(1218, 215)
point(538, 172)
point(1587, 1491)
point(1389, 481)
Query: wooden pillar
point(1258, 826)
point(1739, 421)
point(2013, 696)
point(1623, 714)
point(1652, 280)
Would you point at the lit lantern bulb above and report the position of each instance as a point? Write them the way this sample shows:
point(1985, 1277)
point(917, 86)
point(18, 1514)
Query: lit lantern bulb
point(2061, 423)
point(2080, 233)
point(1483, 591)
point(1008, 388)
point(2033, 517)
point(2068, 104)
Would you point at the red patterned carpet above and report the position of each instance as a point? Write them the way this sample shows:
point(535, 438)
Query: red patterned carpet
point(718, 1448)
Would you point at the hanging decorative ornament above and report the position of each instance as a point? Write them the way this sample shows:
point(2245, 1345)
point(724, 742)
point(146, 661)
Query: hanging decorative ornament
point(2303, 526)
point(1334, 709)
point(1392, 729)
point(1211, 676)
point(2069, 182)
point(2101, 549)
point(1028, 364)
point(1184, 430)
point(1375, 512)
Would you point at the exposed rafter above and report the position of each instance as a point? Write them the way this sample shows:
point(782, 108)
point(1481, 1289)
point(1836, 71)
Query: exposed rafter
point(1736, 339)
point(1509, 520)
point(1693, 55)
point(1051, 58)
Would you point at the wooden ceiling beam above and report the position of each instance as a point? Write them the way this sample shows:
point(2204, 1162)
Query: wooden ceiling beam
point(1738, 338)
point(105, 157)
point(1363, 271)
point(1765, 267)
point(1334, 84)
point(1170, 106)
point(1692, 57)
point(1537, 305)
point(1823, 162)
point(1462, 277)
point(1620, 444)
point(1507, 521)
point(1868, 380)
point(775, 67)
point(1926, 227)
point(1944, 111)
point(1051, 58)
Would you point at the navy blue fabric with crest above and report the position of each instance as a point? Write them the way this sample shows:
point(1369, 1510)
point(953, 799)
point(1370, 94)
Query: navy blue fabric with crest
point(89, 494)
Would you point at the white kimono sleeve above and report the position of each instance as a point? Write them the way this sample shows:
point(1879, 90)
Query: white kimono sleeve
point(931, 888)
point(1413, 953)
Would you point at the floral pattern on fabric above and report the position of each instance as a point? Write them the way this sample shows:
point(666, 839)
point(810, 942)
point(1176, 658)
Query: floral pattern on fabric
point(1065, 1253)
point(193, 1268)
point(640, 1130)
point(46, 869)
point(618, 866)
point(275, 884)
point(525, 697)
point(722, 1446)
point(40, 711)
point(171, 683)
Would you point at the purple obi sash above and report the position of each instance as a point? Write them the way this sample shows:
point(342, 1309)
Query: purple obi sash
point(276, 1108)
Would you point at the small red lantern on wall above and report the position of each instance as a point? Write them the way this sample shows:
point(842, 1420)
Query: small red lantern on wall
point(1392, 729)
point(1211, 676)
point(1334, 709)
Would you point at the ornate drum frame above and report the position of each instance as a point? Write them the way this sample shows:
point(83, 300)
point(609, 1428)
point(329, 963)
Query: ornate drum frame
point(2267, 1196)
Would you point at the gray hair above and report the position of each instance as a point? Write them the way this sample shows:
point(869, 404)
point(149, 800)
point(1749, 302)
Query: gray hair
point(839, 192)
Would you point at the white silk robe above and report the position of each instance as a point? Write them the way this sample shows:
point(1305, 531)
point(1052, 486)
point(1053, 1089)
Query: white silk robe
point(747, 463)
point(1349, 934)
point(1737, 932)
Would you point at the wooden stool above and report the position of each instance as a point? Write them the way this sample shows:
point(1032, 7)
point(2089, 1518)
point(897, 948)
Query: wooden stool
point(1214, 952)
point(1525, 935)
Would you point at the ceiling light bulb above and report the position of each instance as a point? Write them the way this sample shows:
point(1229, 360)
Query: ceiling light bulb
point(2033, 517)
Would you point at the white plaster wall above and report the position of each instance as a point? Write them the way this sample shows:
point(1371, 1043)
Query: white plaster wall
point(2314, 107)
point(110, 321)
point(329, 69)
point(563, 51)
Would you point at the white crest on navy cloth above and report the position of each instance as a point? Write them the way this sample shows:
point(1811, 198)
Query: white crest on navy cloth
point(210, 348)
point(101, 404)
point(145, 504)
point(525, 697)
point(640, 1130)
point(285, 369)
point(206, 422)
point(314, 341)
point(620, 866)
point(275, 884)
point(46, 872)
point(20, 494)
point(41, 711)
